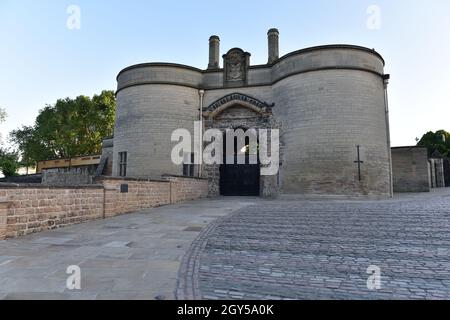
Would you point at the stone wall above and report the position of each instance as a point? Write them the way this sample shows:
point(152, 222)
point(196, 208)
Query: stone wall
point(325, 115)
point(105, 167)
point(4, 208)
point(140, 195)
point(69, 177)
point(146, 117)
point(185, 189)
point(410, 169)
point(27, 209)
point(30, 209)
point(30, 178)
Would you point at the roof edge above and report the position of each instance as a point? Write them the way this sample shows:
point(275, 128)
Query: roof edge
point(159, 64)
point(333, 46)
point(297, 52)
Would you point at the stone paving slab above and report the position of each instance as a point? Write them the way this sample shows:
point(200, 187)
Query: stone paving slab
point(321, 249)
point(135, 256)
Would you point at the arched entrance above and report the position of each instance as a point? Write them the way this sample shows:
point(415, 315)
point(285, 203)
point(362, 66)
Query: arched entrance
point(240, 179)
point(239, 111)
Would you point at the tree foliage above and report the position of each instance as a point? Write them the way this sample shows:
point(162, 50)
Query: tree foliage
point(436, 141)
point(9, 162)
point(69, 128)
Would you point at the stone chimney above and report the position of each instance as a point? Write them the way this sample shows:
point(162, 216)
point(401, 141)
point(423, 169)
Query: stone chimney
point(214, 52)
point(273, 37)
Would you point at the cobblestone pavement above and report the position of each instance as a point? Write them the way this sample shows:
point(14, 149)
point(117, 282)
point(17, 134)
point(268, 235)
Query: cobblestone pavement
point(322, 250)
point(135, 256)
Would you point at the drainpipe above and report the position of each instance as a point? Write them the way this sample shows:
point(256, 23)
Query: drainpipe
point(200, 167)
point(386, 78)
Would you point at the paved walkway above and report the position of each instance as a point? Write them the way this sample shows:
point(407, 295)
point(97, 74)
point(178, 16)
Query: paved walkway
point(243, 248)
point(134, 256)
point(323, 249)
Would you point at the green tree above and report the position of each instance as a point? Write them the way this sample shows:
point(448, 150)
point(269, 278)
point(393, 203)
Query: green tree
point(9, 160)
point(70, 128)
point(436, 141)
point(30, 146)
point(9, 163)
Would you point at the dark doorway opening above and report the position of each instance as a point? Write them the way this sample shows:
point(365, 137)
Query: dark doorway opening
point(240, 179)
point(447, 172)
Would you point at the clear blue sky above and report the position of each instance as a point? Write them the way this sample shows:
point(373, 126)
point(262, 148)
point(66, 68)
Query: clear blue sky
point(41, 60)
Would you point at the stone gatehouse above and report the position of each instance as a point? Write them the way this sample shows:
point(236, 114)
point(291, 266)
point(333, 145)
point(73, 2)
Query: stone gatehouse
point(329, 103)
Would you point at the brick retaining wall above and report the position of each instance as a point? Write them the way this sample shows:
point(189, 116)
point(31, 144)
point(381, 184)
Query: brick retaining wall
point(27, 209)
point(140, 195)
point(30, 209)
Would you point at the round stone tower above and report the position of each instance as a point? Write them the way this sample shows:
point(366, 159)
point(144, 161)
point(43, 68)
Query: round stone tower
point(332, 103)
point(153, 100)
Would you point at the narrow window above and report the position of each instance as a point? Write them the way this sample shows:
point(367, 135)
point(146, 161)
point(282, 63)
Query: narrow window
point(123, 157)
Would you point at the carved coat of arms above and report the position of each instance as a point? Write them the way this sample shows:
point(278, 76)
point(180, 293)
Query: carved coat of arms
point(235, 65)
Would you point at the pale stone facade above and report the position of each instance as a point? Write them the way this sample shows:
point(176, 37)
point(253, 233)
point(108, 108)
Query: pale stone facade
point(415, 171)
point(411, 170)
point(329, 103)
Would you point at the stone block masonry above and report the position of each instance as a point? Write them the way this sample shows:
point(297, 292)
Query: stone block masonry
point(4, 206)
point(185, 189)
point(410, 169)
point(140, 195)
point(28, 209)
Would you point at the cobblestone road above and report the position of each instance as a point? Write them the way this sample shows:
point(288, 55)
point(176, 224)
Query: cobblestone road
point(322, 250)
